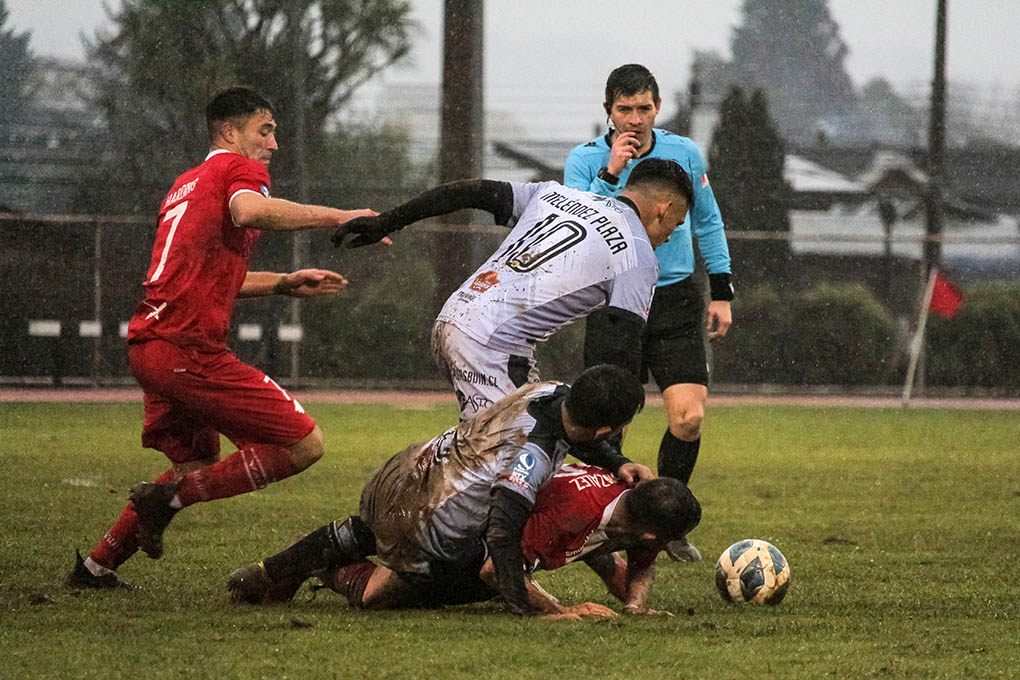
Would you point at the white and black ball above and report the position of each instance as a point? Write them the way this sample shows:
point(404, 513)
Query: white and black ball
point(752, 571)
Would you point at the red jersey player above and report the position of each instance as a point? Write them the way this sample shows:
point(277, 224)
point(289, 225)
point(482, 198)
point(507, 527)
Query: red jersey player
point(583, 514)
point(194, 388)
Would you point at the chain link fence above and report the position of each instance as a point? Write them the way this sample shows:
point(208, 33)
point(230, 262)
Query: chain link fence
point(834, 306)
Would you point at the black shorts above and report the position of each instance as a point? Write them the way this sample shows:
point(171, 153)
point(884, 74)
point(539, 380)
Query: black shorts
point(449, 583)
point(673, 345)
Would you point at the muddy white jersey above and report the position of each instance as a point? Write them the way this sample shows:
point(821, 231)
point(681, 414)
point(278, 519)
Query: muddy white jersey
point(568, 253)
point(431, 501)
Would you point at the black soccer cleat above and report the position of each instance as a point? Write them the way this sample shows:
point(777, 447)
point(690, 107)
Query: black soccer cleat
point(251, 584)
point(80, 577)
point(152, 505)
point(682, 551)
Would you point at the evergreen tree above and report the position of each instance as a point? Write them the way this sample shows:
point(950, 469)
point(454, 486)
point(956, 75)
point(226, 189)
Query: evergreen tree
point(793, 51)
point(166, 58)
point(746, 158)
point(16, 71)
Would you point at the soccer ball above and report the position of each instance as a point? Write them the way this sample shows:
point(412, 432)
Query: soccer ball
point(752, 571)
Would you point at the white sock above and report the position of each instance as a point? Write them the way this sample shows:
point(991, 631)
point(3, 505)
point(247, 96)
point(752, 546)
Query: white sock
point(96, 568)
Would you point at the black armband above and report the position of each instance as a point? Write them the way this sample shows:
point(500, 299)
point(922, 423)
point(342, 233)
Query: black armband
point(507, 516)
point(481, 194)
point(613, 336)
point(721, 286)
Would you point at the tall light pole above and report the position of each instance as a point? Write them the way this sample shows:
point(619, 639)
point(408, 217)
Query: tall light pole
point(299, 246)
point(936, 178)
point(461, 145)
point(936, 144)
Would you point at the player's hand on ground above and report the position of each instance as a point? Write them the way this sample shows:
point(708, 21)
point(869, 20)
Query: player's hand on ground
point(718, 319)
point(634, 610)
point(623, 150)
point(578, 611)
point(311, 282)
point(366, 229)
point(632, 473)
point(590, 609)
point(561, 616)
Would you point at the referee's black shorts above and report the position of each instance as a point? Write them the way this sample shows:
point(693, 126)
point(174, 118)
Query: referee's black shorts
point(673, 346)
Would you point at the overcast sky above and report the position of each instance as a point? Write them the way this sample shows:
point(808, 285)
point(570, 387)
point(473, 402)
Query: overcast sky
point(541, 49)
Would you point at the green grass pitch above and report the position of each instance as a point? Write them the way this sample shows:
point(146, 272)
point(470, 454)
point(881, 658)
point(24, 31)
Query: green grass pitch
point(901, 528)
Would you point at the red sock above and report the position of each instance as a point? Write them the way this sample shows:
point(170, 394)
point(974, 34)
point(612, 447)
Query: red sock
point(249, 469)
point(120, 542)
point(351, 581)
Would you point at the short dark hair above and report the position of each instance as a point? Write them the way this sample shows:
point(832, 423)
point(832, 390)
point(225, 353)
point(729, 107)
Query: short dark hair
point(236, 102)
point(605, 396)
point(664, 505)
point(665, 174)
point(628, 80)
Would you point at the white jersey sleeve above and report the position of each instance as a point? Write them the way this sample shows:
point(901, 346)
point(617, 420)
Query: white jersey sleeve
point(633, 290)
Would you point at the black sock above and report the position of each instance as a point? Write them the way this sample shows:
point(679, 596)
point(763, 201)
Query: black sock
point(677, 457)
point(338, 543)
point(314, 551)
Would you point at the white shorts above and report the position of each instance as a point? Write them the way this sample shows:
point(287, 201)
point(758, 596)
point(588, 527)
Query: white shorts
point(480, 376)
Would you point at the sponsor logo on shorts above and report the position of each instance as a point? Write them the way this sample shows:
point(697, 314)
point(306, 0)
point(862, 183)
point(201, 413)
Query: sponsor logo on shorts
point(484, 281)
point(265, 190)
point(472, 403)
point(522, 470)
point(473, 378)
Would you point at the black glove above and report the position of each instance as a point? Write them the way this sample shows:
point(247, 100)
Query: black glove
point(367, 230)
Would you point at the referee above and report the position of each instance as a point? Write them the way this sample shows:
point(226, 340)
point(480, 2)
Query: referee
point(673, 348)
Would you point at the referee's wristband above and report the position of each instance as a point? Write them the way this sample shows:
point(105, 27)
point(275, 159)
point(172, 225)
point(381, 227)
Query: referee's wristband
point(720, 286)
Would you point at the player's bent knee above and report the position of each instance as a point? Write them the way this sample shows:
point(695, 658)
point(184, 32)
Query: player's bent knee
point(310, 449)
point(687, 425)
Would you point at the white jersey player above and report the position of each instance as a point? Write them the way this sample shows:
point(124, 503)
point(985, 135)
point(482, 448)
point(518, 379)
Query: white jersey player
point(568, 253)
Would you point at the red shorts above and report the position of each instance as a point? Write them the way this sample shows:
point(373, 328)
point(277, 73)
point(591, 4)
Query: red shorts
point(191, 397)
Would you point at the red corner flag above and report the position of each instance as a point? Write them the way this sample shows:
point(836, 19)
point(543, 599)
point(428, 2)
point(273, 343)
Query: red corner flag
point(946, 298)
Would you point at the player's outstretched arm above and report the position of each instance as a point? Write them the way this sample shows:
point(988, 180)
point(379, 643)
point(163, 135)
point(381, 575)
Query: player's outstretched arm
point(507, 516)
point(480, 194)
point(612, 569)
point(640, 575)
point(539, 597)
point(253, 210)
point(302, 283)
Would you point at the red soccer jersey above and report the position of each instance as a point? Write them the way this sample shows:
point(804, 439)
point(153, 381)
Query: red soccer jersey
point(570, 515)
point(200, 257)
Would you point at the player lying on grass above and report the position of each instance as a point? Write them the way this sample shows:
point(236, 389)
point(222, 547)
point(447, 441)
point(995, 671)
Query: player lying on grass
point(441, 507)
point(584, 514)
point(568, 253)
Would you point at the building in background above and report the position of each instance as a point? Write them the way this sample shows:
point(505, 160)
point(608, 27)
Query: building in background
point(43, 153)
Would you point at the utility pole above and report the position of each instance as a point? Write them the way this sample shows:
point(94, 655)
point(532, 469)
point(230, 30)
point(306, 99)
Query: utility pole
point(299, 246)
point(936, 144)
point(932, 255)
point(461, 144)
